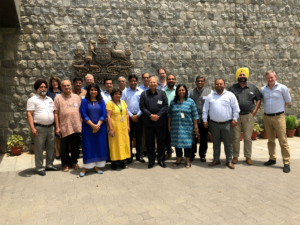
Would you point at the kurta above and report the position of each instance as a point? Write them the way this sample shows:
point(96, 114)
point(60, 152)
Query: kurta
point(119, 144)
point(182, 116)
point(94, 145)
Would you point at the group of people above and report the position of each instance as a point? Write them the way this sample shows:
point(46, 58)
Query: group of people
point(159, 114)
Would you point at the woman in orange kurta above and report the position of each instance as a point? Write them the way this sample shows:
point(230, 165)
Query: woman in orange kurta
point(118, 125)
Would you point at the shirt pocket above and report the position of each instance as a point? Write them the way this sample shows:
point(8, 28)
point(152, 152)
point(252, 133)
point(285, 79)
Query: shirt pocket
point(225, 102)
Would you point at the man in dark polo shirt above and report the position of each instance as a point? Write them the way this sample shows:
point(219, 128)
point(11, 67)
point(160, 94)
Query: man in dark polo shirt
point(154, 105)
point(199, 94)
point(249, 99)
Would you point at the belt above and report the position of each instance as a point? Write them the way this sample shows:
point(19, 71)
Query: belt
point(274, 114)
point(244, 113)
point(41, 125)
point(228, 121)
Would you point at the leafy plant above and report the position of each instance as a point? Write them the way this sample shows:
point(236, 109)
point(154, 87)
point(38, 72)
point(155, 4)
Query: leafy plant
point(298, 123)
point(262, 123)
point(257, 128)
point(15, 140)
point(291, 122)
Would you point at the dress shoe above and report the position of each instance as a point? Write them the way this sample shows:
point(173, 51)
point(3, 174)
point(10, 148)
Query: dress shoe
point(113, 166)
point(52, 168)
point(150, 165)
point(230, 165)
point(66, 169)
point(270, 162)
point(123, 164)
point(129, 160)
point(41, 172)
point(214, 163)
point(162, 164)
point(75, 166)
point(167, 156)
point(141, 160)
point(286, 168)
point(202, 159)
point(249, 161)
point(235, 160)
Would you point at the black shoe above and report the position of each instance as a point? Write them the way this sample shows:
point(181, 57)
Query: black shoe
point(150, 165)
point(141, 160)
point(52, 168)
point(129, 160)
point(286, 168)
point(270, 162)
point(202, 159)
point(192, 158)
point(41, 172)
point(123, 164)
point(113, 166)
point(162, 164)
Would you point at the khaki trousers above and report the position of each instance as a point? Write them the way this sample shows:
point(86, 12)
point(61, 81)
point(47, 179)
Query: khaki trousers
point(273, 125)
point(245, 124)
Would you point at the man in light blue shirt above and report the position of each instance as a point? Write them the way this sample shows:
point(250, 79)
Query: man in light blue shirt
point(276, 96)
point(145, 79)
point(108, 84)
point(170, 91)
point(122, 85)
point(132, 98)
point(223, 109)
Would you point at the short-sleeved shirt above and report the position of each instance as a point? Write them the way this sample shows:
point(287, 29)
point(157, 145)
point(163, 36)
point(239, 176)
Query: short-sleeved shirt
point(42, 109)
point(275, 98)
point(68, 113)
point(170, 94)
point(246, 96)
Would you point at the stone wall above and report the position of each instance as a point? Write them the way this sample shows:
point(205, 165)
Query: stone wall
point(192, 37)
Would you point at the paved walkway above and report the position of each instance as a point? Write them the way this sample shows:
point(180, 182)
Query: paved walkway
point(137, 195)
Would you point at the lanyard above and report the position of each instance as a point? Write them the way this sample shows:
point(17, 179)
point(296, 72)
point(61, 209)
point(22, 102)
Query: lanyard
point(119, 107)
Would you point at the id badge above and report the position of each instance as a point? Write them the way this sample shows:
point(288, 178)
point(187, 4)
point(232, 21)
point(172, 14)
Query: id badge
point(159, 102)
point(122, 118)
point(182, 115)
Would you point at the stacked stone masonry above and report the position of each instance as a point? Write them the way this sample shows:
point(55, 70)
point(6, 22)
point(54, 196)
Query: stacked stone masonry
point(189, 38)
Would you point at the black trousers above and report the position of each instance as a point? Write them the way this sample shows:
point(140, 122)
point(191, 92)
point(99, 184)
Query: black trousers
point(72, 141)
point(168, 141)
point(187, 152)
point(160, 134)
point(137, 129)
point(203, 142)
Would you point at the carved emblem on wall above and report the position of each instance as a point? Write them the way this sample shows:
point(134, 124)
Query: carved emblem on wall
point(102, 61)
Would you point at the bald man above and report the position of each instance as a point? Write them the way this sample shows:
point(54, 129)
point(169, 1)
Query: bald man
point(68, 125)
point(249, 99)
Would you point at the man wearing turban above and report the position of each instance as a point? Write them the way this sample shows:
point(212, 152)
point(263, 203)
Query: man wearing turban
point(249, 99)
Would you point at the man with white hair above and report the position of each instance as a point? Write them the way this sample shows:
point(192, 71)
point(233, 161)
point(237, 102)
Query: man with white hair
point(89, 79)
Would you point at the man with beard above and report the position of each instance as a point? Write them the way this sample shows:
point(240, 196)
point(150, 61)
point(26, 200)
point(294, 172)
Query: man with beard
point(162, 83)
point(249, 99)
point(40, 118)
point(170, 91)
point(223, 110)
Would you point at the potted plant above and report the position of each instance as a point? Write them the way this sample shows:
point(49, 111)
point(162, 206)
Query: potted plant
point(264, 134)
point(298, 127)
point(256, 130)
point(15, 143)
point(290, 125)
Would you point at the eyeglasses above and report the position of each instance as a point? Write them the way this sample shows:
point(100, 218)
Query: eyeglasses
point(200, 81)
point(146, 77)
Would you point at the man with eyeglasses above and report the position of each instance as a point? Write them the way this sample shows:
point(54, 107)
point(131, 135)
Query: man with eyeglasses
point(162, 83)
point(249, 99)
point(145, 79)
point(40, 116)
point(199, 94)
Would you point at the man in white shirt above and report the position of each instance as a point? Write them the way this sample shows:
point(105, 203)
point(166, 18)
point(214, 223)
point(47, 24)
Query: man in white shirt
point(276, 97)
point(40, 116)
point(108, 84)
point(223, 110)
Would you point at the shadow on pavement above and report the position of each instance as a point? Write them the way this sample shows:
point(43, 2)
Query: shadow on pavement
point(27, 173)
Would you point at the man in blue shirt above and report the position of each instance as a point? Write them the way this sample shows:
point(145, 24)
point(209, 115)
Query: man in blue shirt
point(132, 98)
point(223, 110)
point(145, 79)
point(276, 96)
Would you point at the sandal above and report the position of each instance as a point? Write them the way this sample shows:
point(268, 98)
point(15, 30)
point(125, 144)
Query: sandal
point(188, 165)
point(66, 169)
point(178, 162)
point(98, 170)
point(82, 173)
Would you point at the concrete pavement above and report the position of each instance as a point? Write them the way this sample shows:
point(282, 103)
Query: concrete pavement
point(137, 195)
